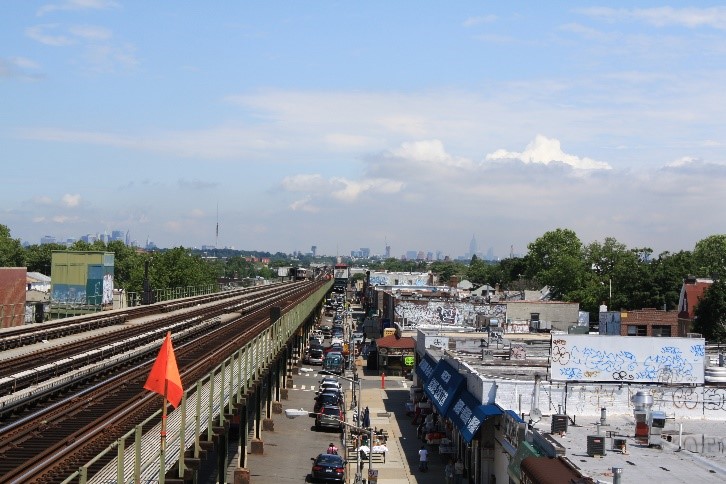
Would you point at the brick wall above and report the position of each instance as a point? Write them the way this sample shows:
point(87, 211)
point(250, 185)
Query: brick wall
point(645, 319)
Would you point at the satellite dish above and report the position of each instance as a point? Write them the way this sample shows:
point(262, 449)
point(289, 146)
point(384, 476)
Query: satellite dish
point(535, 414)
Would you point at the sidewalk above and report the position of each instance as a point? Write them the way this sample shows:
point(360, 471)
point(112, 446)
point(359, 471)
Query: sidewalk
point(388, 412)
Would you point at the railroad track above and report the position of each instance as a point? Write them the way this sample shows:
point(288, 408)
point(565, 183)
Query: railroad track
point(62, 435)
point(33, 367)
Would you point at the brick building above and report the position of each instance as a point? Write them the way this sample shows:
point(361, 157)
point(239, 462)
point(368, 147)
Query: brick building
point(649, 322)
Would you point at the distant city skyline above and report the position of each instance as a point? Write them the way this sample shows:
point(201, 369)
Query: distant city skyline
point(352, 125)
point(362, 252)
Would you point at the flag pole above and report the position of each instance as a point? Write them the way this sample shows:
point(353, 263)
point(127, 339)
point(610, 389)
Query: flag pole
point(162, 455)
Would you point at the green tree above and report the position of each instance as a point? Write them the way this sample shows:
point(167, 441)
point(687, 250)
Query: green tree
point(125, 259)
point(668, 271)
point(38, 257)
point(710, 313)
point(445, 269)
point(709, 256)
point(11, 250)
point(556, 259)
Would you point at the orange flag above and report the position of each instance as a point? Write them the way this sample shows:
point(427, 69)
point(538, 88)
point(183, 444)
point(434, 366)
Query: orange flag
point(164, 378)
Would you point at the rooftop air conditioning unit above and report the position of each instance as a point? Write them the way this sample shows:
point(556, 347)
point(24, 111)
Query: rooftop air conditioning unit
point(595, 445)
point(559, 424)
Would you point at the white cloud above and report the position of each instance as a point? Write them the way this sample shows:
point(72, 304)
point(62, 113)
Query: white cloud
point(483, 19)
point(543, 150)
point(304, 205)
point(352, 190)
point(45, 35)
point(71, 200)
point(691, 17)
point(90, 32)
point(77, 5)
point(304, 183)
point(197, 213)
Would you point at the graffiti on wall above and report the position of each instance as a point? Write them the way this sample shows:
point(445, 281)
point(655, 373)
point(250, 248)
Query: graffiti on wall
point(637, 359)
point(439, 312)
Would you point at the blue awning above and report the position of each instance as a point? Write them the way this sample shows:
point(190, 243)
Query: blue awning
point(468, 414)
point(425, 369)
point(444, 386)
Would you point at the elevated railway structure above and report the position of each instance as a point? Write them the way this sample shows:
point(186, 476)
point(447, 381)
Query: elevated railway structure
point(73, 407)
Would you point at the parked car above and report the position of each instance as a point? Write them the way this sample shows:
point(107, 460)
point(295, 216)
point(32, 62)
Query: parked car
point(329, 386)
point(329, 398)
point(329, 416)
point(328, 468)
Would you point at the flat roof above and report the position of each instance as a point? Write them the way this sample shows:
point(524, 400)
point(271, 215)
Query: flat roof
point(702, 457)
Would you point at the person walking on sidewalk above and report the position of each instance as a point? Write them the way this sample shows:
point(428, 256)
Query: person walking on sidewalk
point(459, 471)
point(423, 460)
point(449, 472)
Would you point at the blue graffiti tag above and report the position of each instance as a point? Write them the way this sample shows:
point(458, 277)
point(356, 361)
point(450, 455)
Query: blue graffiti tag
point(571, 373)
point(698, 350)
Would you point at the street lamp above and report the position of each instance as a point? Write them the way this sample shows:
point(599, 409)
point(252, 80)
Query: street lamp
point(294, 413)
point(355, 381)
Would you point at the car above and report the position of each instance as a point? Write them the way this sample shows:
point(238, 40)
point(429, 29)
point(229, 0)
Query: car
point(336, 347)
point(314, 356)
point(330, 398)
point(328, 468)
point(329, 386)
point(329, 416)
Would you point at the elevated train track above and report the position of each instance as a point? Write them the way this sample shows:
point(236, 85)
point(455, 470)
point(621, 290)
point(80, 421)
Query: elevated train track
point(48, 440)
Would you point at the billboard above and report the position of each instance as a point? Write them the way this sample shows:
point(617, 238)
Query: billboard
point(627, 359)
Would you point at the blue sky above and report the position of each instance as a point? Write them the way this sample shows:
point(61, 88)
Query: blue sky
point(352, 124)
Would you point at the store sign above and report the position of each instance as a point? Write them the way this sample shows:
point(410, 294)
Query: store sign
point(425, 368)
point(437, 342)
point(444, 386)
point(408, 360)
point(513, 428)
point(467, 413)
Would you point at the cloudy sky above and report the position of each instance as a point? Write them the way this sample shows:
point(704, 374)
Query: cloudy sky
point(352, 124)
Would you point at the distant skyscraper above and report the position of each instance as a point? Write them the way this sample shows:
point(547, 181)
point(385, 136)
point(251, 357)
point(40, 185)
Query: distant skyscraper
point(47, 239)
point(411, 255)
point(314, 250)
point(472, 246)
point(388, 251)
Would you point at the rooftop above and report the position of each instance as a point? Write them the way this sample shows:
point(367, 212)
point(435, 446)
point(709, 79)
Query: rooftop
point(701, 458)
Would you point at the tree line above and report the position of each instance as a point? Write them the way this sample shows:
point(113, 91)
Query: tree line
point(592, 274)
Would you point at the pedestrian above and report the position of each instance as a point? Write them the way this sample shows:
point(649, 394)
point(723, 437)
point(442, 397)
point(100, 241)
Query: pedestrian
point(366, 418)
point(423, 455)
point(459, 471)
point(449, 472)
point(362, 458)
point(332, 449)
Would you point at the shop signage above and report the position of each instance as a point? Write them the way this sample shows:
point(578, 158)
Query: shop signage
point(513, 428)
point(444, 386)
point(425, 368)
point(468, 414)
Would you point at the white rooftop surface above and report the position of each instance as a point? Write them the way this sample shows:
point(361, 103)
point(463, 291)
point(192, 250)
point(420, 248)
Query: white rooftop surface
point(642, 464)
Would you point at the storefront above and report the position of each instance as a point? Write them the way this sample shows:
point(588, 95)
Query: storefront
point(395, 355)
point(476, 450)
